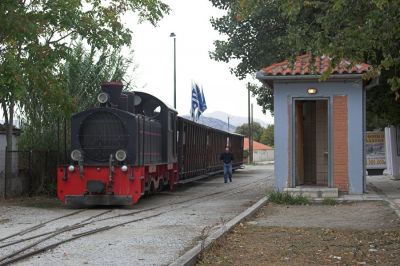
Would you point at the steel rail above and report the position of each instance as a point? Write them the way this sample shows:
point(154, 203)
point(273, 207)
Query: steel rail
point(35, 227)
point(83, 222)
point(109, 227)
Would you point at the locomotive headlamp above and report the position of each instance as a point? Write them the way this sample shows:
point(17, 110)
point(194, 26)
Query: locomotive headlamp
point(76, 155)
point(103, 97)
point(120, 155)
point(71, 168)
point(124, 168)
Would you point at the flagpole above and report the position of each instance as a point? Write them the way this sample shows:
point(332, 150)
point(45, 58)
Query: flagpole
point(173, 35)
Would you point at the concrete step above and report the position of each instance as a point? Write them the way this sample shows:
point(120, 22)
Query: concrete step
point(313, 192)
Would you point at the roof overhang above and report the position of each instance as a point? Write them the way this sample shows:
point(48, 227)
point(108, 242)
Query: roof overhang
point(268, 80)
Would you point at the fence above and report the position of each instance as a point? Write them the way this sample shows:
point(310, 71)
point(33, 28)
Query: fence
point(32, 172)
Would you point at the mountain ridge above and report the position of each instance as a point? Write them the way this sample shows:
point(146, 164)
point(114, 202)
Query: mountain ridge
point(219, 120)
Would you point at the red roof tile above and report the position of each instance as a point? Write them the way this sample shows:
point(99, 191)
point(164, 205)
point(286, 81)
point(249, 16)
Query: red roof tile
point(256, 145)
point(302, 66)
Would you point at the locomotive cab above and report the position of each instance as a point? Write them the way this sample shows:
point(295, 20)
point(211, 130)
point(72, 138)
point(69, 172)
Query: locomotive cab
point(150, 106)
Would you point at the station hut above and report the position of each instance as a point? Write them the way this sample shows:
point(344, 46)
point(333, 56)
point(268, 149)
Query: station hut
point(319, 125)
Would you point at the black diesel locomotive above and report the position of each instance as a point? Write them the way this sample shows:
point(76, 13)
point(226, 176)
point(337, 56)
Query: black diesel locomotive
point(134, 144)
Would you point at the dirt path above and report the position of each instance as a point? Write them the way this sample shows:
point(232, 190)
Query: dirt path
point(363, 233)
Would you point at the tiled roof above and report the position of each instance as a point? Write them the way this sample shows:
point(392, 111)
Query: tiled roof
point(256, 145)
point(302, 66)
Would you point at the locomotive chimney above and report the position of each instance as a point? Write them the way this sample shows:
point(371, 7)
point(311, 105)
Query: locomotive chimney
point(113, 89)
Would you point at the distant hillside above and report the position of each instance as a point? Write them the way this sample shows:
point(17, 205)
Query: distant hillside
point(214, 123)
point(234, 120)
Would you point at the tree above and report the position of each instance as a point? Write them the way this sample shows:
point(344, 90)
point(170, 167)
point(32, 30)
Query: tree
point(83, 72)
point(256, 33)
point(267, 136)
point(244, 130)
point(35, 37)
point(262, 32)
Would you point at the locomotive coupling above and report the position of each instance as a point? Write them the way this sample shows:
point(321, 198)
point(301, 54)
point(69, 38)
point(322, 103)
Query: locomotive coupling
point(111, 168)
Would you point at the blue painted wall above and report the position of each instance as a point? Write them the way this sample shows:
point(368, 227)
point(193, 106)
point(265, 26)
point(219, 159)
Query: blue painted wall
point(285, 91)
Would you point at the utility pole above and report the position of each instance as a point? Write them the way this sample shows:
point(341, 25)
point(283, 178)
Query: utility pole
point(228, 123)
point(248, 123)
point(251, 136)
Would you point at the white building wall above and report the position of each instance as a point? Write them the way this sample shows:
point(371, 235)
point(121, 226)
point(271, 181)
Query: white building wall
point(392, 156)
point(3, 145)
point(263, 155)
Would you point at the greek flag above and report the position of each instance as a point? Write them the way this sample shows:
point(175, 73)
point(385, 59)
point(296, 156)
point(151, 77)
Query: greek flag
point(195, 102)
point(198, 102)
point(203, 104)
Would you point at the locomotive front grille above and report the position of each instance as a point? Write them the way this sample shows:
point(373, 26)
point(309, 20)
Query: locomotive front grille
point(102, 134)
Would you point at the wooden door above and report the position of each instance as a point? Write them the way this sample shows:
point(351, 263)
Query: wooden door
point(299, 144)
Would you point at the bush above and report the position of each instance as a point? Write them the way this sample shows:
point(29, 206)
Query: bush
point(329, 201)
point(285, 198)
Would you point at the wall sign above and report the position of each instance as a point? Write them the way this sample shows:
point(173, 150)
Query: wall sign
point(375, 149)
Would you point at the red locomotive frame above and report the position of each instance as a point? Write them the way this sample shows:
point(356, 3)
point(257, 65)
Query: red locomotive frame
point(122, 188)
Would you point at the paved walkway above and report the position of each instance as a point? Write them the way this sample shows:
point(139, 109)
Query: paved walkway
point(386, 188)
point(380, 187)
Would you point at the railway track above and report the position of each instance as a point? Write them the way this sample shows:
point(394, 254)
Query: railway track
point(96, 223)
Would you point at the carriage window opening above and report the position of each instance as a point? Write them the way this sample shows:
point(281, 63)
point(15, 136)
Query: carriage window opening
point(136, 100)
point(151, 108)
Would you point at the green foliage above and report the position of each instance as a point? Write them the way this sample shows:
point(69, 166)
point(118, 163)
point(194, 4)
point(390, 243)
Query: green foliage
point(38, 37)
point(382, 107)
point(244, 130)
point(267, 136)
point(35, 37)
point(83, 72)
point(265, 97)
point(285, 198)
point(256, 34)
point(329, 201)
point(260, 134)
point(263, 32)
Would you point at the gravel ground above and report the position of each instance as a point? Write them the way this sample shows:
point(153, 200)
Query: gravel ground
point(361, 233)
point(374, 215)
point(155, 241)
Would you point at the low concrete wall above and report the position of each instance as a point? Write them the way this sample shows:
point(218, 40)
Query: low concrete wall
point(263, 155)
point(16, 185)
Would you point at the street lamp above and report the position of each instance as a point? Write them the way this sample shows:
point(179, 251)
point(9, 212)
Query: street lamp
point(173, 35)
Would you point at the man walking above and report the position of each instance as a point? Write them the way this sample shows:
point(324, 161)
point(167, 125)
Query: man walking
point(227, 158)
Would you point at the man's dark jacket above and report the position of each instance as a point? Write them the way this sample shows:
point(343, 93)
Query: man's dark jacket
point(226, 157)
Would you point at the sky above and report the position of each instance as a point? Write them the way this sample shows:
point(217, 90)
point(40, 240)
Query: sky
point(154, 50)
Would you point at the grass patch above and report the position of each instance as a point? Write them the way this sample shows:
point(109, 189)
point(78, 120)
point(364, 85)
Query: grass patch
point(285, 198)
point(329, 201)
